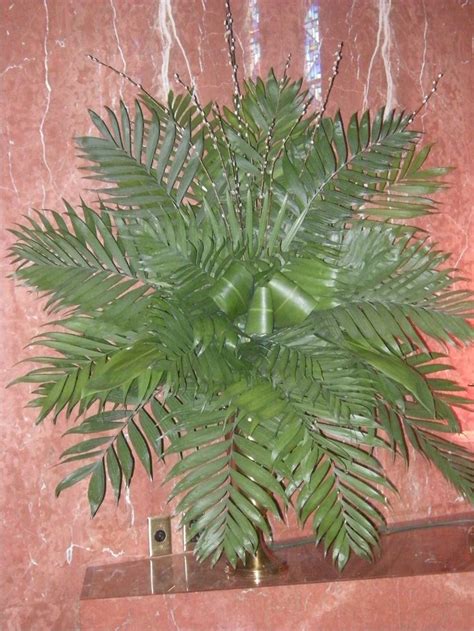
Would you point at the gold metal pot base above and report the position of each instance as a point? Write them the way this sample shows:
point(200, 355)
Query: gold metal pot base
point(263, 563)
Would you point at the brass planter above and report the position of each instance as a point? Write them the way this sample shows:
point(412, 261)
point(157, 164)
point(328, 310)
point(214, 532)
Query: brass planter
point(263, 563)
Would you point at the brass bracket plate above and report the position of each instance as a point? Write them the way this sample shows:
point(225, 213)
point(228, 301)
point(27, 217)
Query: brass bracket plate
point(159, 535)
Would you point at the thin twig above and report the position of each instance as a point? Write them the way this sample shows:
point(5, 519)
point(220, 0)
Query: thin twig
point(120, 73)
point(287, 65)
point(322, 111)
point(426, 98)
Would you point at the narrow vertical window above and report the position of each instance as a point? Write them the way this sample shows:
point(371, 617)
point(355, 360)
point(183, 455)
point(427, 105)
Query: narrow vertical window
point(312, 50)
point(254, 38)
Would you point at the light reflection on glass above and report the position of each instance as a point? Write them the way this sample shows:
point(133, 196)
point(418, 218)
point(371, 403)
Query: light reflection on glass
point(312, 51)
point(254, 38)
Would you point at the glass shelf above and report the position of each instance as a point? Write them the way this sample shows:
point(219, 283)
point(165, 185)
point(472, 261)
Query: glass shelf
point(437, 549)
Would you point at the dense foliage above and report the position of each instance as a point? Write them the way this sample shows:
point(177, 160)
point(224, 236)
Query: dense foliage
point(240, 296)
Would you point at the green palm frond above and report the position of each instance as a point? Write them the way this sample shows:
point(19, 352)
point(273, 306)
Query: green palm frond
point(241, 297)
point(116, 433)
point(79, 264)
point(152, 162)
point(222, 482)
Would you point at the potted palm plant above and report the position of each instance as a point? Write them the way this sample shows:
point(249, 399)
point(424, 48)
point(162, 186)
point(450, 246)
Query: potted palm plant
point(248, 293)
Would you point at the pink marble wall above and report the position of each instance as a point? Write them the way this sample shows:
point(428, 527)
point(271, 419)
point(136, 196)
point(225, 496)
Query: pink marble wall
point(393, 48)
